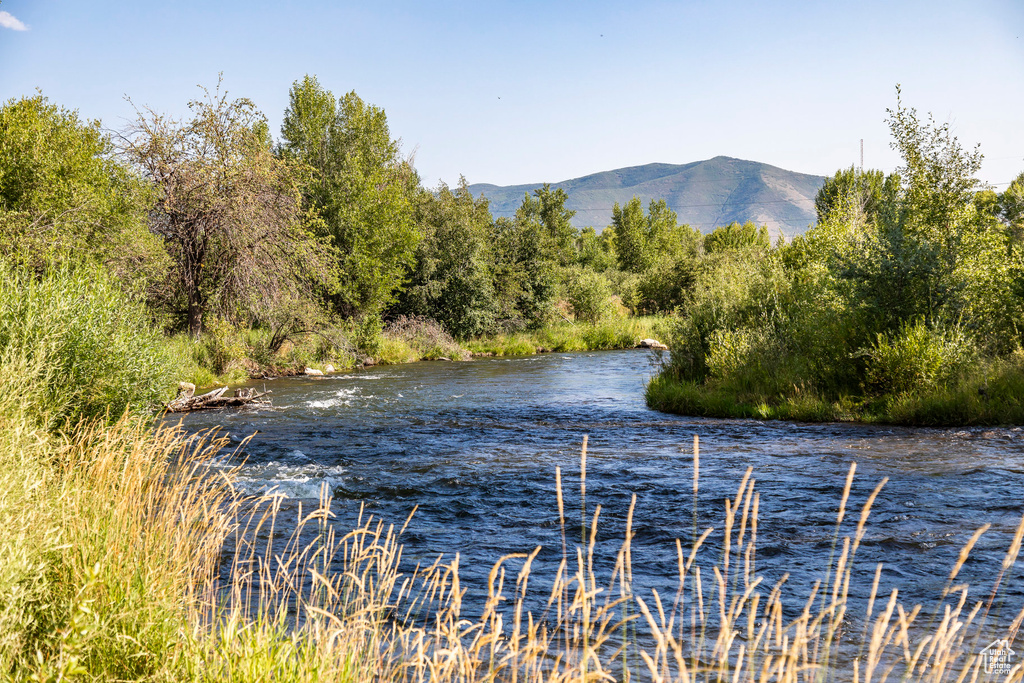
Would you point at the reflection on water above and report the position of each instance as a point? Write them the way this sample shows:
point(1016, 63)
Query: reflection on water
point(475, 445)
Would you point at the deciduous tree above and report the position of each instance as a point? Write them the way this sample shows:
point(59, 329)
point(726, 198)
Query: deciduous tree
point(64, 196)
point(451, 279)
point(228, 210)
point(361, 189)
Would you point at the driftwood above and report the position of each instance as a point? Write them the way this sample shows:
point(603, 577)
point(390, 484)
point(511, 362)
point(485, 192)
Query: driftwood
point(187, 401)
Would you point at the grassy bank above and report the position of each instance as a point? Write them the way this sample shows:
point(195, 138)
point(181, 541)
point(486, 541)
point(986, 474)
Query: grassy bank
point(610, 333)
point(991, 392)
point(226, 355)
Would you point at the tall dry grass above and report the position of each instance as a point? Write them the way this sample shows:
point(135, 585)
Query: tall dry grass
point(340, 608)
point(159, 570)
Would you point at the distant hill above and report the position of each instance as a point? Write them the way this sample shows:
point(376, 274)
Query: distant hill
point(704, 194)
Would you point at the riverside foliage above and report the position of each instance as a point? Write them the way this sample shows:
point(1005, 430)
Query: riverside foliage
point(258, 256)
point(902, 304)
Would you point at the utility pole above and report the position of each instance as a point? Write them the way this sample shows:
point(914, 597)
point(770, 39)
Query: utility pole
point(862, 156)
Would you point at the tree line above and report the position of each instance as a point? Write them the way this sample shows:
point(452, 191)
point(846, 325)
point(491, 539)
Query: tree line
point(910, 279)
point(209, 218)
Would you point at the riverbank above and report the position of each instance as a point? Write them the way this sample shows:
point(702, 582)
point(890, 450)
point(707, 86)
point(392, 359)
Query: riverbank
point(610, 334)
point(225, 355)
point(991, 393)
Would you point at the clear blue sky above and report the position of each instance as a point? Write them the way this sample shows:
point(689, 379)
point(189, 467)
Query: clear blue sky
point(516, 92)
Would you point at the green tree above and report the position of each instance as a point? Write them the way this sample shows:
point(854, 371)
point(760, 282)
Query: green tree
point(524, 267)
point(632, 247)
point(736, 236)
point(1011, 209)
point(557, 221)
point(596, 252)
point(228, 211)
point(641, 241)
point(451, 279)
point(360, 187)
point(930, 229)
point(64, 196)
point(589, 294)
point(851, 190)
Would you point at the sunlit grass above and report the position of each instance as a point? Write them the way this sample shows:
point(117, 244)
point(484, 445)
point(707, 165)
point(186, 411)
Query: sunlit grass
point(613, 332)
point(120, 534)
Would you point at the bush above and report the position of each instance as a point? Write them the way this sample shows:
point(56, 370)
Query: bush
point(91, 346)
point(665, 286)
point(425, 339)
point(918, 358)
point(225, 346)
point(589, 295)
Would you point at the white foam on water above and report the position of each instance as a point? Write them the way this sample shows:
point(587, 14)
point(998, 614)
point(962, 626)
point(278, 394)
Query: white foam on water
point(342, 397)
point(367, 377)
point(291, 480)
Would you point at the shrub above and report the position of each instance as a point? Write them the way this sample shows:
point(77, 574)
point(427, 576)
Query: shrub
point(91, 345)
point(918, 358)
point(424, 337)
point(729, 353)
point(225, 346)
point(589, 295)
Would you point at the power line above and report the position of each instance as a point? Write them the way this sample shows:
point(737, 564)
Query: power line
point(729, 204)
point(717, 205)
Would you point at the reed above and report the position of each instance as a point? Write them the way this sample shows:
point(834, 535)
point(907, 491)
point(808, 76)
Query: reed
point(360, 619)
point(156, 569)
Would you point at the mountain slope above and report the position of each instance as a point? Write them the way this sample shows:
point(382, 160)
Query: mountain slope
point(704, 194)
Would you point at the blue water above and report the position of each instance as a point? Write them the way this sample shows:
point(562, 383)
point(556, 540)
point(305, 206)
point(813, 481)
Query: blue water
point(476, 444)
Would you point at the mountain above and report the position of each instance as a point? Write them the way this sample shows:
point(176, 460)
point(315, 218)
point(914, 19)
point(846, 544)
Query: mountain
point(704, 194)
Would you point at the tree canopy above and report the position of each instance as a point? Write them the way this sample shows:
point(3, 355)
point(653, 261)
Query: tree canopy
point(228, 211)
point(64, 196)
point(360, 188)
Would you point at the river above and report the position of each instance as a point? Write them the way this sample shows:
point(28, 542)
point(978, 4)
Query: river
point(475, 445)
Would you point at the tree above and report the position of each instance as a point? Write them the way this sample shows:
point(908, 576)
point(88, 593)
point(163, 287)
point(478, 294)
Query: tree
point(64, 196)
point(929, 228)
point(361, 189)
point(735, 236)
point(557, 221)
point(643, 241)
point(596, 252)
point(228, 211)
point(863, 192)
point(523, 265)
point(632, 247)
point(933, 252)
point(1011, 209)
point(546, 208)
point(451, 279)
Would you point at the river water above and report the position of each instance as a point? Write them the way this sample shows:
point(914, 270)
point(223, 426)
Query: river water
point(475, 445)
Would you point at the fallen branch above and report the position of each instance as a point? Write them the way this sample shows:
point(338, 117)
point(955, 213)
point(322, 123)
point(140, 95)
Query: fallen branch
point(187, 401)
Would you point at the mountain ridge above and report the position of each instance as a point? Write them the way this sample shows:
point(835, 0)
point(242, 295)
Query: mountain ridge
point(704, 194)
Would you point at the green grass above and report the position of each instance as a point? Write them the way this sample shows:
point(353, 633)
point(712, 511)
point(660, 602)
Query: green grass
point(610, 333)
point(89, 346)
point(992, 393)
